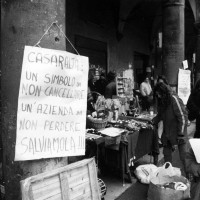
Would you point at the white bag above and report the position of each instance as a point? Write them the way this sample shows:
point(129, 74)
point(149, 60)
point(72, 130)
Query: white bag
point(145, 172)
point(168, 171)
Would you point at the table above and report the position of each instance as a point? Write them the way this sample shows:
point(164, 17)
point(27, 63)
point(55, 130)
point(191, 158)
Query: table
point(136, 145)
point(133, 145)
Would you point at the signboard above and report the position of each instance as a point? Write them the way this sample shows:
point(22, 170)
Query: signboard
point(51, 117)
point(195, 144)
point(184, 81)
point(185, 64)
point(129, 83)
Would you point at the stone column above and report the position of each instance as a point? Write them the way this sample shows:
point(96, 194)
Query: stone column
point(197, 25)
point(23, 23)
point(173, 39)
point(197, 64)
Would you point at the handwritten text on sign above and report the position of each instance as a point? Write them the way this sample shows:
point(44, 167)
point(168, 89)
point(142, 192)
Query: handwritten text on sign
point(51, 116)
point(184, 82)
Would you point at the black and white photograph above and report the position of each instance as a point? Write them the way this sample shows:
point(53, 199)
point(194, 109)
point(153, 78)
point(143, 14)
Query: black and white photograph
point(100, 100)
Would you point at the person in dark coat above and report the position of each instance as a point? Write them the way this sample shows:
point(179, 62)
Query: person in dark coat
point(174, 117)
point(194, 169)
point(90, 102)
point(193, 106)
point(111, 86)
point(92, 83)
point(160, 79)
point(101, 84)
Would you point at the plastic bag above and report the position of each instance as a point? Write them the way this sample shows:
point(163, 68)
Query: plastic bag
point(168, 170)
point(145, 172)
point(156, 190)
point(160, 129)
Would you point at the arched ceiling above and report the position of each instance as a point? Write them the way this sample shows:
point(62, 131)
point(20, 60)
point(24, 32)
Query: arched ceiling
point(145, 12)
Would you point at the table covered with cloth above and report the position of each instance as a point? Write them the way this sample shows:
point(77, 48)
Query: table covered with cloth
point(133, 145)
point(122, 151)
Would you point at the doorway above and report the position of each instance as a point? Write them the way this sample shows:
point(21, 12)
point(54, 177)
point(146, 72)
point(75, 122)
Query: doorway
point(95, 50)
point(140, 64)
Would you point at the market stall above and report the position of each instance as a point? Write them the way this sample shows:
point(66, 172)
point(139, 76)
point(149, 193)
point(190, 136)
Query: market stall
point(124, 142)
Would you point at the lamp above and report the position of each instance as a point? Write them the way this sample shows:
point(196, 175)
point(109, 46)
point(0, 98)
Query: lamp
point(160, 39)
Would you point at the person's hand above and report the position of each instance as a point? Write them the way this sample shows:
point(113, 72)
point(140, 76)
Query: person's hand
point(174, 148)
point(150, 122)
point(94, 114)
point(181, 140)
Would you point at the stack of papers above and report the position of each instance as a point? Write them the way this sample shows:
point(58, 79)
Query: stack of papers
point(93, 136)
point(112, 131)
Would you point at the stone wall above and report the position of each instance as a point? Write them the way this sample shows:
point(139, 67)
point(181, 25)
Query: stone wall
point(119, 53)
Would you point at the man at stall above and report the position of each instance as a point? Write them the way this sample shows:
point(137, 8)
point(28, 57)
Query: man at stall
point(101, 84)
point(174, 116)
point(111, 86)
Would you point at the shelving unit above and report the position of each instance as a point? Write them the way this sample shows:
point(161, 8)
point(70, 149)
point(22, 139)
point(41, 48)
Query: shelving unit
point(120, 86)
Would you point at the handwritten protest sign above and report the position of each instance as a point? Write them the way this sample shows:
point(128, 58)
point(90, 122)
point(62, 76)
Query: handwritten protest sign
point(184, 82)
point(51, 117)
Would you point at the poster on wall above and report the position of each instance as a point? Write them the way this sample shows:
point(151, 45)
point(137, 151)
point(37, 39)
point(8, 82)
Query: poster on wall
point(52, 103)
point(184, 82)
point(129, 86)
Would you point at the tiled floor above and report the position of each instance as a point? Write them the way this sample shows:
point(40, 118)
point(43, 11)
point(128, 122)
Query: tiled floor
point(115, 186)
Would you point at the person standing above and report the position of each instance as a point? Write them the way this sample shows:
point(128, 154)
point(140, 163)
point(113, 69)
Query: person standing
point(193, 106)
point(110, 89)
point(160, 79)
point(146, 93)
point(92, 83)
point(101, 84)
point(174, 117)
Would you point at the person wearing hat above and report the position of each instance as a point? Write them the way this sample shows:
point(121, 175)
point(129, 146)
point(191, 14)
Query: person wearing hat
point(110, 89)
point(174, 116)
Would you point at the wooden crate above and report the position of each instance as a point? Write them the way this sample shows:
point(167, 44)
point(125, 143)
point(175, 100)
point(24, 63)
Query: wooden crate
point(76, 181)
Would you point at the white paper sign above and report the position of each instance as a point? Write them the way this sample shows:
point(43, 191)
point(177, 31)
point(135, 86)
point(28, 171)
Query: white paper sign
point(184, 84)
point(185, 64)
point(129, 82)
point(51, 118)
point(195, 144)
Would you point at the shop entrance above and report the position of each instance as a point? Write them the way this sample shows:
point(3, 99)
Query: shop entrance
point(140, 64)
point(95, 50)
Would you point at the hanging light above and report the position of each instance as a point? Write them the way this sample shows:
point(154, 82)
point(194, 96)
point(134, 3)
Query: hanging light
point(160, 39)
point(194, 57)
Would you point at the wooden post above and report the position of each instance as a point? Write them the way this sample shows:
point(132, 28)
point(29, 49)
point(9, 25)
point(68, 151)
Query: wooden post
point(173, 39)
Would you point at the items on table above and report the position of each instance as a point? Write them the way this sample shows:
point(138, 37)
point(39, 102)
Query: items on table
point(132, 124)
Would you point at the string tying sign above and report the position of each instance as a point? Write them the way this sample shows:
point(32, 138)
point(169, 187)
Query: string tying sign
point(55, 24)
